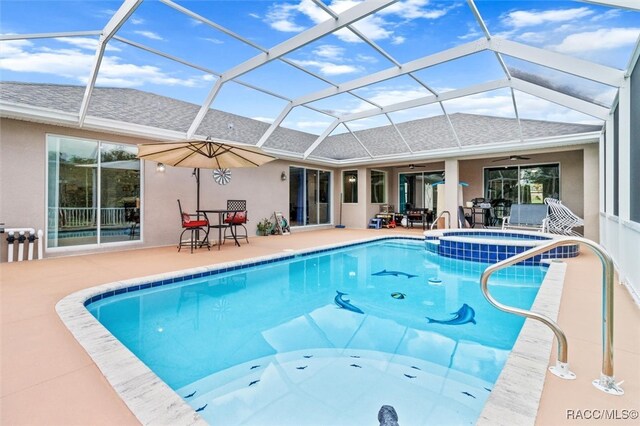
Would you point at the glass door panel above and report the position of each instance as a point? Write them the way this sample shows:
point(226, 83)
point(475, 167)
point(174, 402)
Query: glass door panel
point(296, 196)
point(312, 197)
point(72, 192)
point(324, 194)
point(119, 193)
point(538, 183)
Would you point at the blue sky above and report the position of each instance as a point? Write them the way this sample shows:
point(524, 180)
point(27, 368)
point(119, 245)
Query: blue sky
point(406, 30)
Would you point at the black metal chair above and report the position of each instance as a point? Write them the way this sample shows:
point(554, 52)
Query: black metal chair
point(194, 226)
point(235, 219)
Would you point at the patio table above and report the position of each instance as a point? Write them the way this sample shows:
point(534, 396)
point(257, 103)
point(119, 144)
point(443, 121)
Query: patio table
point(220, 225)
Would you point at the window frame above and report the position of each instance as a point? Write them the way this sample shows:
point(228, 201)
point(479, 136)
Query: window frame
point(98, 244)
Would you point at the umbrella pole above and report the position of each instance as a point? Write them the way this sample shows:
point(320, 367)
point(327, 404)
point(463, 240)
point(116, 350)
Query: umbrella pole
point(196, 173)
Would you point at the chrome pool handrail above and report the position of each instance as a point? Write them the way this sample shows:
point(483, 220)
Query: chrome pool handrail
point(606, 382)
point(435, 222)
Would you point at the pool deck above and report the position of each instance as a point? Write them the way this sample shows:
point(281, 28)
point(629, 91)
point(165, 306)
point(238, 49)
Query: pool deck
point(46, 377)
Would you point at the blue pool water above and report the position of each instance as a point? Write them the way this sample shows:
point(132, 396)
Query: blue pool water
point(268, 345)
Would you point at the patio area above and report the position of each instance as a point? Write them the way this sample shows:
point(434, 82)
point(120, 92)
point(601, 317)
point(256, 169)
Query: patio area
point(44, 368)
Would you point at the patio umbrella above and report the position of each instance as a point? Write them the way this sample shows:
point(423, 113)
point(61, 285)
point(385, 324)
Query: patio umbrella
point(203, 154)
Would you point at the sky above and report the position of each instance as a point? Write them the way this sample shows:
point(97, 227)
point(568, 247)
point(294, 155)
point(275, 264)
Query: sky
point(406, 30)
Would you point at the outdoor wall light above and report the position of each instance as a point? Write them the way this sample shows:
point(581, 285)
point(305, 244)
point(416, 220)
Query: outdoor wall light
point(283, 176)
point(160, 168)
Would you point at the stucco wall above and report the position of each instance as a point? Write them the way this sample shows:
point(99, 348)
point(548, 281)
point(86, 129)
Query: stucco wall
point(22, 185)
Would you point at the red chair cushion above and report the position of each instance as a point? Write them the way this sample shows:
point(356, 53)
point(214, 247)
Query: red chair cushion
point(195, 224)
point(236, 218)
point(187, 222)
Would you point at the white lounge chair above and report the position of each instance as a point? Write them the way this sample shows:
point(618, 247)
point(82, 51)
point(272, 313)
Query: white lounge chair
point(561, 219)
point(527, 216)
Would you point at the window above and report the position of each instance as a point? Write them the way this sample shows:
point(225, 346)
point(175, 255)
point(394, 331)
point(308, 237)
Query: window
point(523, 184)
point(350, 186)
point(378, 187)
point(93, 192)
point(416, 190)
point(309, 196)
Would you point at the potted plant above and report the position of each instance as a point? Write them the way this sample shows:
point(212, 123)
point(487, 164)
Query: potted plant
point(264, 227)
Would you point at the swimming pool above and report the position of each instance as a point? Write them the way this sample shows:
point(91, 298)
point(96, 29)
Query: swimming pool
point(263, 344)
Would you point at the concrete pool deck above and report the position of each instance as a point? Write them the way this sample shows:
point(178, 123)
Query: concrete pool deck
point(47, 378)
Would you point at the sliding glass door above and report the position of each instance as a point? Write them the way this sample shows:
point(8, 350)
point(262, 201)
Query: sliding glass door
point(529, 184)
point(309, 196)
point(416, 190)
point(93, 192)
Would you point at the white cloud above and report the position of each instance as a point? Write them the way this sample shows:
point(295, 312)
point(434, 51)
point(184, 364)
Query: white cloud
point(20, 56)
point(414, 9)
point(306, 125)
point(532, 37)
point(281, 17)
point(366, 59)
point(602, 39)
point(254, 15)
point(473, 32)
point(149, 34)
point(213, 40)
point(329, 51)
point(136, 21)
point(328, 68)
point(264, 119)
point(524, 18)
point(86, 43)
point(195, 22)
point(209, 77)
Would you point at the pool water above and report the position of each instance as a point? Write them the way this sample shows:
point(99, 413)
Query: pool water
point(268, 345)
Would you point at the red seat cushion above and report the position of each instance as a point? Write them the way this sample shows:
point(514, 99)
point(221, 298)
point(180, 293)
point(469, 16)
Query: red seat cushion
point(236, 218)
point(187, 222)
point(195, 224)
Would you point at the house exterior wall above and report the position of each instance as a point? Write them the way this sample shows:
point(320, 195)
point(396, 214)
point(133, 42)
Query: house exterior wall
point(23, 187)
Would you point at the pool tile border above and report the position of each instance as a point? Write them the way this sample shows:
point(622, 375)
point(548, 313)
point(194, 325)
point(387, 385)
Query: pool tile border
point(153, 402)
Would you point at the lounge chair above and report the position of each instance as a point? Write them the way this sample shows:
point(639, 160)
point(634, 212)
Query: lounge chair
point(527, 216)
point(561, 219)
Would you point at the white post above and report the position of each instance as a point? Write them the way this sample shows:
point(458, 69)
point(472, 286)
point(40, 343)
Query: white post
point(32, 241)
point(10, 246)
point(451, 181)
point(21, 239)
point(40, 243)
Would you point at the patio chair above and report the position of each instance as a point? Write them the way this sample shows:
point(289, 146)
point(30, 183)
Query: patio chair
point(527, 216)
point(561, 219)
point(194, 227)
point(236, 219)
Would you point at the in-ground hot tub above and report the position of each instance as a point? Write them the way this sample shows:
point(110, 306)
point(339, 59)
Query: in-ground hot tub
point(491, 246)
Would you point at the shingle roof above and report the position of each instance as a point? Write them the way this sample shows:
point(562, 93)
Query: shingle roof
point(149, 109)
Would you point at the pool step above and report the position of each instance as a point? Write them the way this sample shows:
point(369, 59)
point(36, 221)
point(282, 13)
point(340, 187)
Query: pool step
point(336, 386)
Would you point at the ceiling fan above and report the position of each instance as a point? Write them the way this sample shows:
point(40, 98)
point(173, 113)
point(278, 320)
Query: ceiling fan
point(512, 158)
